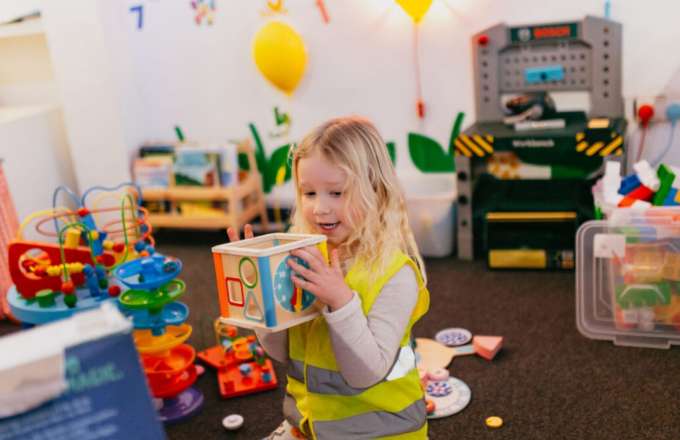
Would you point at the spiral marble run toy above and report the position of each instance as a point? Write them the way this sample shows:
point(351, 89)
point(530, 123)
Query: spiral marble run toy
point(62, 266)
point(241, 363)
point(161, 331)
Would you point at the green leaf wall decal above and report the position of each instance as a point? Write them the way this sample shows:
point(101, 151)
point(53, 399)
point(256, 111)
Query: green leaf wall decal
point(428, 156)
point(268, 166)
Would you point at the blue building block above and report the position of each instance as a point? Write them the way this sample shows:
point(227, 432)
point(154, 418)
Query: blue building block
point(670, 198)
point(628, 184)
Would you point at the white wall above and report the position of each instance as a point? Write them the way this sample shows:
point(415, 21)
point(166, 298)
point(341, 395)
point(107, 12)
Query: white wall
point(122, 85)
point(36, 157)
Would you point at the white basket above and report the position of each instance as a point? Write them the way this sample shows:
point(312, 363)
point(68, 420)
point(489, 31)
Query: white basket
point(431, 211)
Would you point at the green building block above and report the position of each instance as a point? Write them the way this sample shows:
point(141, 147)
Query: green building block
point(643, 295)
point(666, 176)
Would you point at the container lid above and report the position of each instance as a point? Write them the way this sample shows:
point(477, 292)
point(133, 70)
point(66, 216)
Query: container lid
point(628, 280)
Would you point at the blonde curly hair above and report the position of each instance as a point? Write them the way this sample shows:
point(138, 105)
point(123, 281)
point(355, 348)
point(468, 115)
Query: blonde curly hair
point(375, 200)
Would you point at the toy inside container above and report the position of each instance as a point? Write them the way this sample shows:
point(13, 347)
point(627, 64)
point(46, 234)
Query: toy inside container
point(628, 278)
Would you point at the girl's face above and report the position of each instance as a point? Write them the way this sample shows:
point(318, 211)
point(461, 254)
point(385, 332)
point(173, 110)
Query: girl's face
point(322, 187)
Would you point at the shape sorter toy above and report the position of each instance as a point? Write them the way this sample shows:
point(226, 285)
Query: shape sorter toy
point(254, 285)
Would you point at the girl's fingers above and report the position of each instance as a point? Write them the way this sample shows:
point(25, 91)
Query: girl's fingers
point(248, 230)
point(232, 234)
point(301, 270)
point(314, 263)
point(335, 260)
point(304, 285)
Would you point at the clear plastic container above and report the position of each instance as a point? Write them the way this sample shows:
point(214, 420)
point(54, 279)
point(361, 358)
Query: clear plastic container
point(628, 278)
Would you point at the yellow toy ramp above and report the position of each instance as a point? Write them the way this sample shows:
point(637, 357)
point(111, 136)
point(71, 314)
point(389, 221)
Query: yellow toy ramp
point(147, 343)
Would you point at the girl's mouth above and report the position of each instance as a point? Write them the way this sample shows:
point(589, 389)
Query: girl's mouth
point(326, 227)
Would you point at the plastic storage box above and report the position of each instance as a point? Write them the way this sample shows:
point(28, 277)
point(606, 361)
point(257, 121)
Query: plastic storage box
point(628, 278)
point(431, 211)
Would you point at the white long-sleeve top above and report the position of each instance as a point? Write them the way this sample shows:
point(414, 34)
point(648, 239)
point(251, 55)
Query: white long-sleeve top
point(365, 347)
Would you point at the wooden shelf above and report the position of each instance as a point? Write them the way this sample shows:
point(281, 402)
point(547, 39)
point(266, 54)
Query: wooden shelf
point(243, 202)
point(194, 193)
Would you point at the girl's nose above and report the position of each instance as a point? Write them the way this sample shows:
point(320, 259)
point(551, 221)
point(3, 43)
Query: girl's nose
point(321, 207)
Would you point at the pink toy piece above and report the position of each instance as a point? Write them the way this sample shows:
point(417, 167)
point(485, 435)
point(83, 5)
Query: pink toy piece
point(438, 375)
point(487, 346)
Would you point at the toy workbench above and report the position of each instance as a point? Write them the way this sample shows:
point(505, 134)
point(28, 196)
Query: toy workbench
point(524, 190)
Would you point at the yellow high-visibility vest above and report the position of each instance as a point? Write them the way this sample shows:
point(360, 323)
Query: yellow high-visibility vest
point(331, 408)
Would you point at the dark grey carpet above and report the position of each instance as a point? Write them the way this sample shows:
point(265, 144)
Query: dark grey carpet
point(548, 382)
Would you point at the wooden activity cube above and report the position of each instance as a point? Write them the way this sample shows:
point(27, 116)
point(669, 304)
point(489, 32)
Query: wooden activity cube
point(254, 285)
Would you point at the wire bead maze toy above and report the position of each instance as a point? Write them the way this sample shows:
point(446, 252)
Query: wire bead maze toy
point(63, 265)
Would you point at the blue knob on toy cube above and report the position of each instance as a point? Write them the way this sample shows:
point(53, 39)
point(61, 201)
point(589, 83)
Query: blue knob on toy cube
point(266, 377)
point(245, 369)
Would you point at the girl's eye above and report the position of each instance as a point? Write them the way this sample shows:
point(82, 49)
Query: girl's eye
point(336, 193)
point(309, 194)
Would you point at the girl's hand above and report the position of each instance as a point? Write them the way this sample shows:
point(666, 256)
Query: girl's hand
point(326, 282)
point(234, 236)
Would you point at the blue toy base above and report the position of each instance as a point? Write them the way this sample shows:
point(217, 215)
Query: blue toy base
point(28, 311)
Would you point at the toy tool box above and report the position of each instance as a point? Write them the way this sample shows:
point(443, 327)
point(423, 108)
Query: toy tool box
point(628, 278)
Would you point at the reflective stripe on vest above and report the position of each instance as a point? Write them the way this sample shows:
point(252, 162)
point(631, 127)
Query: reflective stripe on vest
point(296, 370)
point(323, 381)
point(370, 425)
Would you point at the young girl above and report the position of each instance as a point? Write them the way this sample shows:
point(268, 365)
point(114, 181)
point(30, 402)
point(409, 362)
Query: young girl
point(351, 371)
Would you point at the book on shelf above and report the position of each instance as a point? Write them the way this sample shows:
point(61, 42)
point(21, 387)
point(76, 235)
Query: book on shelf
point(153, 172)
point(204, 165)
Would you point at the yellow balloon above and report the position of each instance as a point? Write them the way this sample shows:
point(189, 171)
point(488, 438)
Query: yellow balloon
point(280, 54)
point(415, 8)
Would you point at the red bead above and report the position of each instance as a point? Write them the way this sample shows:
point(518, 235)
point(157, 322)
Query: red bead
point(483, 40)
point(114, 290)
point(67, 287)
point(107, 260)
point(118, 247)
point(83, 212)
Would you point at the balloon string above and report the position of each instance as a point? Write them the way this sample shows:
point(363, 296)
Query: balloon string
point(420, 105)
